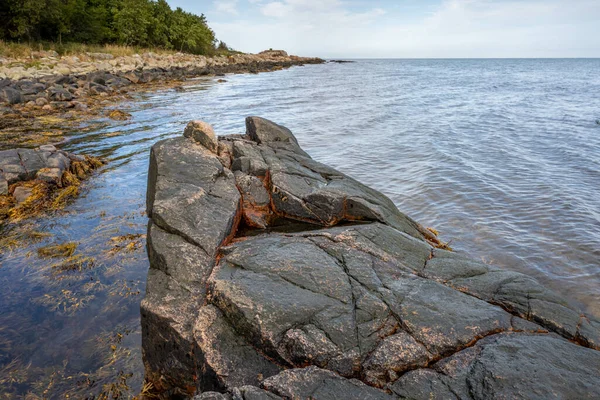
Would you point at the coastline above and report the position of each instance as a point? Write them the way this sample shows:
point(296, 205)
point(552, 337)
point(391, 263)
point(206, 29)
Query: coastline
point(275, 276)
point(45, 94)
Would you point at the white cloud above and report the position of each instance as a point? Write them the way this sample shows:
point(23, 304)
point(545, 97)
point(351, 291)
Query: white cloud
point(456, 28)
point(226, 6)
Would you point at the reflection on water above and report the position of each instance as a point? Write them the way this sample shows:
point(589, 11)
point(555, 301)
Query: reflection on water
point(501, 156)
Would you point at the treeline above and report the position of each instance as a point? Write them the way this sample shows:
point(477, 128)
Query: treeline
point(144, 23)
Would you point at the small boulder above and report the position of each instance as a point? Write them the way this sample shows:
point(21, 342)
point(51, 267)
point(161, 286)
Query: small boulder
point(48, 147)
point(11, 96)
point(50, 175)
point(203, 134)
point(22, 193)
point(132, 76)
point(264, 131)
point(41, 101)
point(60, 95)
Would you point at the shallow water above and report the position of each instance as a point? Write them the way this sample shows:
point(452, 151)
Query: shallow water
point(501, 156)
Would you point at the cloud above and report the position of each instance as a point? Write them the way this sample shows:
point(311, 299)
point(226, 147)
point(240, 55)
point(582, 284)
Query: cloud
point(226, 6)
point(453, 28)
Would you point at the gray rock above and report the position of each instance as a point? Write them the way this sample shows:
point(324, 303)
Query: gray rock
point(509, 366)
point(232, 360)
point(255, 200)
point(32, 161)
point(11, 95)
point(253, 393)
point(212, 396)
point(22, 193)
point(60, 94)
point(3, 185)
point(262, 130)
point(203, 134)
point(48, 147)
point(191, 194)
point(290, 276)
point(11, 167)
point(315, 383)
point(50, 175)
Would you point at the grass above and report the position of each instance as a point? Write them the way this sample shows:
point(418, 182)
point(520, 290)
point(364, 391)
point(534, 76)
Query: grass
point(24, 50)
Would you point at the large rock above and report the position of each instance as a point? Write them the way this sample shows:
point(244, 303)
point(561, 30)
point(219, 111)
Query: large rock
point(509, 366)
point(287, 278)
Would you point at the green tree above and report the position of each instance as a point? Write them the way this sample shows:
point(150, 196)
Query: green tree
point(132, 21)
point(160, 29)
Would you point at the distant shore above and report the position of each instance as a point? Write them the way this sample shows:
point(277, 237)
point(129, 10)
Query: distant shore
point(44, 94)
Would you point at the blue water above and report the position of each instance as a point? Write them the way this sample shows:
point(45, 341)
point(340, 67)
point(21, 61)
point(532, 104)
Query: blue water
point(501, 156)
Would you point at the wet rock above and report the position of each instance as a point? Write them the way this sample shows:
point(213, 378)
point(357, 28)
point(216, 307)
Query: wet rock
point(288, 278)
point(203, 134)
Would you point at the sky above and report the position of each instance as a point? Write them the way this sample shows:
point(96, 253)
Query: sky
point(406, 28)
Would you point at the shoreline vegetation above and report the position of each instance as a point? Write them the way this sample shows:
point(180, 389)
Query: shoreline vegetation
point(143, 23)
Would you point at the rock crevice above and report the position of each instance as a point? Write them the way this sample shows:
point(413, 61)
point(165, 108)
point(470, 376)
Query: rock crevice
point(273, 275)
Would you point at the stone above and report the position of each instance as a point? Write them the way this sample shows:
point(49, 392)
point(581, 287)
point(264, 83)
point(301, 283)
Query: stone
point(11, 95)
point(509, 366)
point(3, 185)
point(50, 175)
point(315, 383)
point(262, 130)
point(32, 161)
point(275, 276)
point(203, 134)
point(132, 76)
point(255, 200)
point(48, 147)
point(396, 354)
point(22, 193)
point(59, 94)
point(41, 101)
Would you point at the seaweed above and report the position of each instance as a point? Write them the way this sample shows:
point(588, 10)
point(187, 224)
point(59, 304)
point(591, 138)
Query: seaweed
point(57, 250)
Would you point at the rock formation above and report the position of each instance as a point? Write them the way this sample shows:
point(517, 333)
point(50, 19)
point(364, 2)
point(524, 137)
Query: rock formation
point(33, 180)
point(275, 276)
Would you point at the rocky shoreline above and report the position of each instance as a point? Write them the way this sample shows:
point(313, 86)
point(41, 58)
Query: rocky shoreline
point(60, 81)
point(36, 180)
point(34, 92)
point(275, 276)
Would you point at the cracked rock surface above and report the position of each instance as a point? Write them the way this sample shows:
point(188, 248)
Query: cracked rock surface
point(275, 276)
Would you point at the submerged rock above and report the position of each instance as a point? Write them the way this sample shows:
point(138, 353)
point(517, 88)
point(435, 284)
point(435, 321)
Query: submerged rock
point(275, 276)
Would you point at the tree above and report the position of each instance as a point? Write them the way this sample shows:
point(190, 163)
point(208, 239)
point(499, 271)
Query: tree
point(131, 22)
